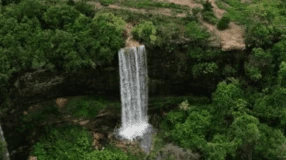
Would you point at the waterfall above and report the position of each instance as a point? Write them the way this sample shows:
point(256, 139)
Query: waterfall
point(134, 92)
point(5, 155)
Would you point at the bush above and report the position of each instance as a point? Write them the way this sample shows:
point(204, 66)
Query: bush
point(85, 8)
point(207, 6)
point(223, 23)
point(84, 107)
point(106, 2)
point(65, 143)
point(209, 17)
point(72, 143)
point(106, 155)
point(145, 32)
point(196, 33)
point(171, 151)
point(196, 10)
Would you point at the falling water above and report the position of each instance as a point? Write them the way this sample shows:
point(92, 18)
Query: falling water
point(5, 155)
point(134, 92)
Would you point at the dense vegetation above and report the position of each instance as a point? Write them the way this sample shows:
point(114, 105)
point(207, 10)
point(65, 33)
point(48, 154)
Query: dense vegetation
point(72, 142)
point(242, 117)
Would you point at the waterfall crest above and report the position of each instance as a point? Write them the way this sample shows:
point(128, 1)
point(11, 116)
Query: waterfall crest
point(5, 155)
point(134, 92)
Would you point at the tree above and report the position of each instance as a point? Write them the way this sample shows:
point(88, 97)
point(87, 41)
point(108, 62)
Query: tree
point(271, 144)
point(220, 147)
point(223, 23)
point(145, 32)
point(196, 33)
point(226, 96)
point(282, 74)
point(245, 132)
point(191, 133)
point(60, 16)
point(107, 30)
point(259, 64)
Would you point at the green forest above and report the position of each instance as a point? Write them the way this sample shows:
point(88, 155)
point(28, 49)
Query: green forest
point(216, 77)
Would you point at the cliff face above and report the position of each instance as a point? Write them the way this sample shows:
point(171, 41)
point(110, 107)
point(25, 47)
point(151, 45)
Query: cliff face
point(40, 85)
point(168, 73)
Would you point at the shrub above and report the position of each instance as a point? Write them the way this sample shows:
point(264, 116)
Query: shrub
point(85, 8)
point(209, 17)
point(106, 2)
point(145, 32)
point(207, 6)
point(196, 33)
point(106, 155)
point(171, 151)
point(223, 23)
point(196, 10)
point(84, 107)
point(72, 143)
point(65, 143)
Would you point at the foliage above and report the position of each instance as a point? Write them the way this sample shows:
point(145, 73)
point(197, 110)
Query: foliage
point(196, 33)
point(145, 32)
point(107, 30)
point(106, 2)
point(205, 69)
point(236, 10)
point(282, 74)
point(207, 6)
point(64, 143)
point(85, 107)
point(275, 141)
point(171, 151)
point(106, 155)
point(188, 127)
point(223, 23)
point(209, 17)
point(266, 22)
point(70, 143)
point(226, 97)
point(245, 118)
point(151, 4)
point(85, 9)
point(220, 147)
point(259, 64)
point(37, 35)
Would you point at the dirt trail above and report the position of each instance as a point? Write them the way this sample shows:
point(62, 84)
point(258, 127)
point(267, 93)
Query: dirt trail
point(230, 39)
point(130, 42)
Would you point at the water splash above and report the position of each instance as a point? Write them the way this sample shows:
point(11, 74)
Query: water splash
point(134, 92)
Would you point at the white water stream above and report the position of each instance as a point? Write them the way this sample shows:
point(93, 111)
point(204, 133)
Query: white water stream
point(134, 92)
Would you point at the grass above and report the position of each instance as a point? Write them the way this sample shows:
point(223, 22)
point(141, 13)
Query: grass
point(236, 10)
point(151, 4)
point(145, 4)
point(88, 106)
point(44, 112)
